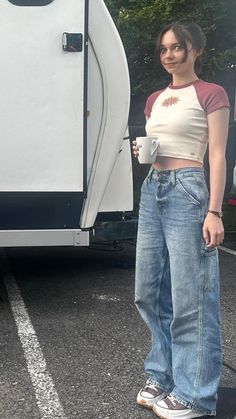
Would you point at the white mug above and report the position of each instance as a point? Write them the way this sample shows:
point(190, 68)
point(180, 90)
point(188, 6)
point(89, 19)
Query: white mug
point(147, 149)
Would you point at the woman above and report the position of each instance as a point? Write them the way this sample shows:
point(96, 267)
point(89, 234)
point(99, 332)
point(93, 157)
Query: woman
point(180, 226)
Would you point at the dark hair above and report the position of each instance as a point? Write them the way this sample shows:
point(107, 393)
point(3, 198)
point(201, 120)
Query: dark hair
point(191, 32)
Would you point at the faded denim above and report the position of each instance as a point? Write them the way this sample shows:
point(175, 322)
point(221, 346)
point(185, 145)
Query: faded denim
point(177, 287)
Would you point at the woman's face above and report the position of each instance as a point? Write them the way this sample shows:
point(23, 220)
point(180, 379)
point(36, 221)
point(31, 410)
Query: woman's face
point(172, 55)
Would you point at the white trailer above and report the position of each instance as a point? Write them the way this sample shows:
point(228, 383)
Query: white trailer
point(64, 103)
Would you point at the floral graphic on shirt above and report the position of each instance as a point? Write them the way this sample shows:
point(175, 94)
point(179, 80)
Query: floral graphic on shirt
point(170, 101)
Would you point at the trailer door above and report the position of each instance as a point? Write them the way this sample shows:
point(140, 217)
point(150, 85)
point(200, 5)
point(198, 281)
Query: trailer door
point(42, 109)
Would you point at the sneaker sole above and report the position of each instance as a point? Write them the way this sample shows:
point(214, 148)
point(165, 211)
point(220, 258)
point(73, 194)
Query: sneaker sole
point(187, 415)
point(161, 417)
point(143, 403)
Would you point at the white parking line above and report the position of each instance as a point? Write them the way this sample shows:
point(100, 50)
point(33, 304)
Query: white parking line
point(46, 395)
point(225, 249)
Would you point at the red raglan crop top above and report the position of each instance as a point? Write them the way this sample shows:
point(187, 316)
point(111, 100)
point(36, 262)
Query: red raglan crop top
point(177, 115)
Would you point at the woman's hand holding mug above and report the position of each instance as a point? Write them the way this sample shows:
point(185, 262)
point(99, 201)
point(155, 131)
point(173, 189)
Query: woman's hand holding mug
point(145, 148)
point(135, 148)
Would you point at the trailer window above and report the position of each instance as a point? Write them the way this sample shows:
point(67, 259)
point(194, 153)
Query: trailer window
point(31, 2)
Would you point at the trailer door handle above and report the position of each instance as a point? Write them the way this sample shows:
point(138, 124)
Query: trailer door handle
point(72, 42)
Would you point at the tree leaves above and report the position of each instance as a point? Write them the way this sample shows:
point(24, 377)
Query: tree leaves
point(139, 22)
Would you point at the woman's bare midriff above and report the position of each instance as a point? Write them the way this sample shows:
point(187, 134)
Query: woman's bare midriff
point(171, 163)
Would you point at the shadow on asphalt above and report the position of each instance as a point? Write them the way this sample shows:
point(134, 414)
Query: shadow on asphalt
point(226, 408)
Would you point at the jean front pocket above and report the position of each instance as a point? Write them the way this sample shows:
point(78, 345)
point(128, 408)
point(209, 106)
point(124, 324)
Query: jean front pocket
point(193, 188)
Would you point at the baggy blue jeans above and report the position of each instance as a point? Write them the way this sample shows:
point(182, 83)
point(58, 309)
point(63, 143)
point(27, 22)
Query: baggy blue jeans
point(177, 288)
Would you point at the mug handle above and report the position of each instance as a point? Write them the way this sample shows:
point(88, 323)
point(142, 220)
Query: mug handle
point(154, 149)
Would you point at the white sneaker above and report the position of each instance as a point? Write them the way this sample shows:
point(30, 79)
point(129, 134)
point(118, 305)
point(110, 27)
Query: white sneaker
point(170, 408)
point(149, 395)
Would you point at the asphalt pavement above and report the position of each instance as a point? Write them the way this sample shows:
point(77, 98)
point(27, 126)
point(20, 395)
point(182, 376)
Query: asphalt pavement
point(72, 343)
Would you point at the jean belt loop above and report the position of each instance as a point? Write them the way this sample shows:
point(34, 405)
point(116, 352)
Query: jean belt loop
point(150, 173)
point(174, 177)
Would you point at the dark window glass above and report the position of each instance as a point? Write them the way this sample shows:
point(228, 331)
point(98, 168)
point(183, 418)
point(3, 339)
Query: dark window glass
point(30, 2)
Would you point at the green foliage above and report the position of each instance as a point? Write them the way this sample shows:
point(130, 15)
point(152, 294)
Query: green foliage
point(139, 22)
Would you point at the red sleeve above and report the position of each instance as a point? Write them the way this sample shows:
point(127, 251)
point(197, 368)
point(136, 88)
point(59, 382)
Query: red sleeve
point(149, 103)
point(212, 97)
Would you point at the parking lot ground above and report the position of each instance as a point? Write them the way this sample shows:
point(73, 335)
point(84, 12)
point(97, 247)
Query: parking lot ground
point(84, 324)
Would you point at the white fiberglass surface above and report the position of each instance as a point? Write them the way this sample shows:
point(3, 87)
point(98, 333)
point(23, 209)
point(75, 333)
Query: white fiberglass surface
point(41, 98)
point(95, 108)
point(108, 103)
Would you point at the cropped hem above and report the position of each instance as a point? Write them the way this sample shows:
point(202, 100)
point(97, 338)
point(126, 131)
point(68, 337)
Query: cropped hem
point(177, 156)
point(193, 406)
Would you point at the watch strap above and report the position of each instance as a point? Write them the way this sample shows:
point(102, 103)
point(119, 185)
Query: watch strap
point(219, 214)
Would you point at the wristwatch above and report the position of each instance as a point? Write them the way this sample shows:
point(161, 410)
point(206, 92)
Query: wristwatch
point(219, 214)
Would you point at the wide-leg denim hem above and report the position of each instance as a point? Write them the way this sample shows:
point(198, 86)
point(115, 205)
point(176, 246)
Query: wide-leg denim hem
point(157, 384)
point(193, 406)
